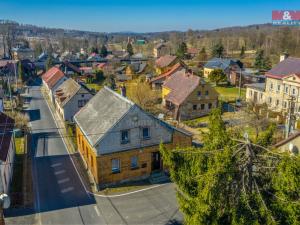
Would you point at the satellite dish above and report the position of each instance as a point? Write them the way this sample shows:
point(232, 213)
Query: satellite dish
point(5, 200)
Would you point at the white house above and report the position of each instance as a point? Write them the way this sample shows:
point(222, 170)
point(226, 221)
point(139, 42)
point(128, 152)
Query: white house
point(70, 97)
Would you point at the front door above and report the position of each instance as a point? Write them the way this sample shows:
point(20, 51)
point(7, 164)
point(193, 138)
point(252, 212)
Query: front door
point(155, 161)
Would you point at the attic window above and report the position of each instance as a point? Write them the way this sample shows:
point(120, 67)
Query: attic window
point(199, 93)
point(124, 136)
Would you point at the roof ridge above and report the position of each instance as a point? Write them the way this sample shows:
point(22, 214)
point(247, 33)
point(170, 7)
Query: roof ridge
point(119, 96)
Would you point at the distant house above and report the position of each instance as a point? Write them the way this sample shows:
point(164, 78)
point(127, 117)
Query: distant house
point(7, 152)
point(20, 53)
point(157, 82)
point(70, 97)
point(255, 93)
point(187, 96)
point(164, 63)
point(52, 79)
point(227, 65)
point(119, 141)
point(160, 50)
point(192, 52)
point(69, 68)
point(247, 77)
point(135, 68)
point(290, 144)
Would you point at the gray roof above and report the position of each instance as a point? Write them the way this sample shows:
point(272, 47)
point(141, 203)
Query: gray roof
point(101, 113)
point(257, 86)
point(67, 89)
point(220, 63)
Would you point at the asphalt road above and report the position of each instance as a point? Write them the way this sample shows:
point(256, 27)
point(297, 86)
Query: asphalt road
point(60, 197)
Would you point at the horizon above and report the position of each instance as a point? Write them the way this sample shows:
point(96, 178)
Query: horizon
point(142, 17)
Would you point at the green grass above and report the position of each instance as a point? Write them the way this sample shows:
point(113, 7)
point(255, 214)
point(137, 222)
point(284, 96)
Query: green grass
point(97, 87)
point(230, 93)
point(195, 122)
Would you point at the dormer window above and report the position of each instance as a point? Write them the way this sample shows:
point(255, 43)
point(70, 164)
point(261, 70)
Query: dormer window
point(199, 93)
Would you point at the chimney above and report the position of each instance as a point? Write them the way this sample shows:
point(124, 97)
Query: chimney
point(123, 91)
point(284, 56)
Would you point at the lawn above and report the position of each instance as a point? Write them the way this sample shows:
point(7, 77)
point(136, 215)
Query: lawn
point(230, 93)
point(96, 87)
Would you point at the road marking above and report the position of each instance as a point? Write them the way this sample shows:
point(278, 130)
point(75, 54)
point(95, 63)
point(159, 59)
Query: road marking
point(65, 190)
point(63, 180)
point(96, 209)
point(128, 193)
point(59, 172)
point(55, 164)
point(63, 140)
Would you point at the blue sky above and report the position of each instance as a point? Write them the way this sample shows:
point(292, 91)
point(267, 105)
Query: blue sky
point(142, 15)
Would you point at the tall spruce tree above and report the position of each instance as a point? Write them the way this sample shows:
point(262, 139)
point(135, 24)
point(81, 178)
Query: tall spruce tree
point(233, 182)
point(130, 49)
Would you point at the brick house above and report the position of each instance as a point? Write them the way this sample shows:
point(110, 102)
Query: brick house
point(119, 141)
point(187, 96)
point(70, 97)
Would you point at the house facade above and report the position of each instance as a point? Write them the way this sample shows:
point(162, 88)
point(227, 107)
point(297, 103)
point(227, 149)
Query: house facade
point(7, 152)
point(70, 97)
point(227, 65)
point(187, 96)
point(126, 141)
point(160, 50)
point(52, 79)
point(21, 53)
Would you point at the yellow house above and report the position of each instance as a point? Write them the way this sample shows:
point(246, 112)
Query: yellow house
point(120, 142)
point(186, 96)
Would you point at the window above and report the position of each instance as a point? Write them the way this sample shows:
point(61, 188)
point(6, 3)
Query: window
point(209, 105)
point(278, 88)
point(80, 103)
point(124, 136)
point(271, 86)
point(194, 107)
point(199, 93)
point(206, 93)
point(251, 93)
point(115, 165)
point(294, 91)
point(286, 89)
point(202, 106)
point(270, 100)
point(134, 162)
point(284, 105)
point(277, 102)
point(261, 95)
point(82, 96)
point(146, 132)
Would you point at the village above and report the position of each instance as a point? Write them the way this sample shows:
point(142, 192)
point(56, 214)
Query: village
point(104, 123)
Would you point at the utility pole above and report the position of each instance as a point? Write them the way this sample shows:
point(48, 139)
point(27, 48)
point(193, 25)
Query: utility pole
point(290, 116)
point(240, 83)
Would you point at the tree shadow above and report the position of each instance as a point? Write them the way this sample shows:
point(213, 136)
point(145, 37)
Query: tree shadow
point(33, 114)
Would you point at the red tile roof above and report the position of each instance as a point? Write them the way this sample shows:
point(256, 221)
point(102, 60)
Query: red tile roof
point(6, 133)
point(165, 60)
point(163, 76)
point(286, 67)
point(181, 84)
point(52, 76)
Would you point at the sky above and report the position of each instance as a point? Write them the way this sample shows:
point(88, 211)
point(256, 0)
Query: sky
point(142, 15)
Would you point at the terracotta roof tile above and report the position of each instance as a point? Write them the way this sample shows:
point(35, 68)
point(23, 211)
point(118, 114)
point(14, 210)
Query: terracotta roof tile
point(181, 84)
point(52, 76)
point(175, 68)
point(165, 60)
